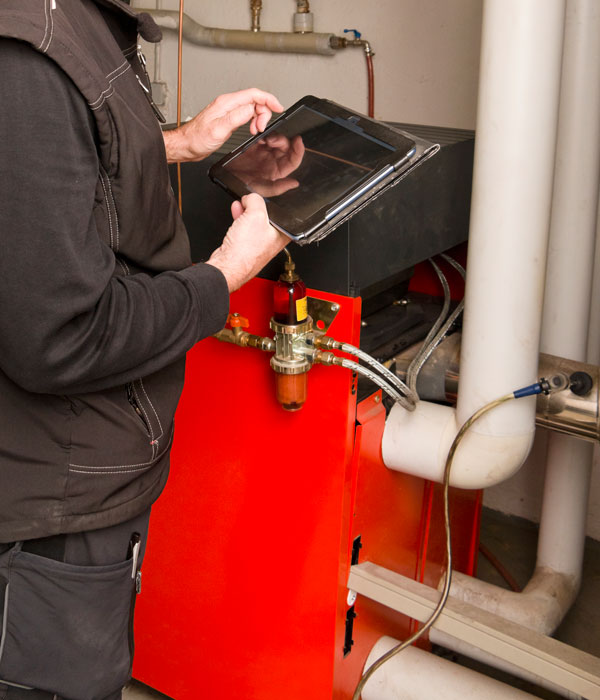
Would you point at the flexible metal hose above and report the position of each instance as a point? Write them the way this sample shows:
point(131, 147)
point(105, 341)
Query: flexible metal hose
point(412, 371)
point(397, 383)
point(376, 379)
point(437, 333)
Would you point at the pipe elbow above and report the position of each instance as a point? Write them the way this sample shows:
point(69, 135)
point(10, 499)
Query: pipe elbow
point(418, 443)
point(540, 607)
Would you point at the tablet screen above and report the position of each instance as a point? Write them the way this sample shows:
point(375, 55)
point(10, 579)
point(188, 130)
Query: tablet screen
point(308, 161)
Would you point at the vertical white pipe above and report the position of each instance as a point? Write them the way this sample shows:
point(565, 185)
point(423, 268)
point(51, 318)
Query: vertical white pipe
point(551, 591)
point(510, 213)
point(569, 278)
point(575, 199)
point(593, 349)
point(414, 674)
point(512, 188)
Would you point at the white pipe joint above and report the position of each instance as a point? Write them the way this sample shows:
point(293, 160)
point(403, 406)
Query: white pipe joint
point(414, 674)
point(510, 216)
point(540, 606)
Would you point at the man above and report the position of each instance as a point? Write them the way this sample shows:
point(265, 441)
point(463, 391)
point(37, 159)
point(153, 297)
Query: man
point(98, 304)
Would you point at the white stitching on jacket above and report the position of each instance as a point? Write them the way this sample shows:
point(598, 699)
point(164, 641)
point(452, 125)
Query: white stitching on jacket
point(110, 469)
point(47, 23)
point(52, 7)
point(110, 227)
point(109, 91)
point(115, 210)
point(118, 68)
point(141, 405)
point(124, 266)
point(162, 432)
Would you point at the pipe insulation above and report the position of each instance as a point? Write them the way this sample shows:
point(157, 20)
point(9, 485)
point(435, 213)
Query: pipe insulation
point(567, 302)
point(510, 215)
point(415, 674)
point(557, 577)
point(243, 40)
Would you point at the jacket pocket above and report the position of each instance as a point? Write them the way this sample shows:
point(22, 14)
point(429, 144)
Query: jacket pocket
point(145, 410)
point(66, 628)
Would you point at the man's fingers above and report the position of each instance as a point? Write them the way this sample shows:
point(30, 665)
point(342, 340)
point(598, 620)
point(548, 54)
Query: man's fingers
point(253, 202)
point(255, 96)
point(236, 209)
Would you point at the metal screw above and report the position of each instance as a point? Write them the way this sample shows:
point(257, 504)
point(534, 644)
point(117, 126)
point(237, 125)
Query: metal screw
point(335, 307)
point(364, 324)
point(377, 398)
point(401, 302)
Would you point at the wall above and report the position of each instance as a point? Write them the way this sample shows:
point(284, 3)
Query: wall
point(522, 494)
point(426, 62)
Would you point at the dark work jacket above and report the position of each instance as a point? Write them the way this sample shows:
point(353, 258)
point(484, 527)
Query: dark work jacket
point(95, 451)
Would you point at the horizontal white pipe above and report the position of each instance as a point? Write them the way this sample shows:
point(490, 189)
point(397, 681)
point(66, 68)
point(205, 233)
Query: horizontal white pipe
point(414, 674)
point(473, 652)
point(512, 188)
point(243, 40)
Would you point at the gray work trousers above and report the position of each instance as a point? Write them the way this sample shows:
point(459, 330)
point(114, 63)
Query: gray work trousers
point(105, 547)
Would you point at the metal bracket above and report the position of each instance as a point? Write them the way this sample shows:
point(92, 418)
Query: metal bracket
point(322, 313)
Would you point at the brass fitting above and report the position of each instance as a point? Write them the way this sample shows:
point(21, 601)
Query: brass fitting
point(255, 8)
point(293, 354)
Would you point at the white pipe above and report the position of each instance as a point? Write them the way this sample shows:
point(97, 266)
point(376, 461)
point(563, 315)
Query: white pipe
point(243, 40)
point(567, 301)
point(473, 652)
point(414, 674)
point(556, 581)
point(512, 188)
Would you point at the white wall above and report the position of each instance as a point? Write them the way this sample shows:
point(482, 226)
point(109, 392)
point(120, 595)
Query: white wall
point(426, 62)
point(521, 495)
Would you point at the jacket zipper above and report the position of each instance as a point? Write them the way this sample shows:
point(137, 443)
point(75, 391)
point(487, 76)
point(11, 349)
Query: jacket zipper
point(133, 401)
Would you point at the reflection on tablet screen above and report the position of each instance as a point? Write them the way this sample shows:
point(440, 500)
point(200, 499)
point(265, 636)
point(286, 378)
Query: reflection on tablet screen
point(308, 161)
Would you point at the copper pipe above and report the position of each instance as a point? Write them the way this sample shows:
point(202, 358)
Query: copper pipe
point(371, 81)
point(179, 82)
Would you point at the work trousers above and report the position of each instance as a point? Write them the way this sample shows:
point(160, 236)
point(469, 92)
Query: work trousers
point(104, 547)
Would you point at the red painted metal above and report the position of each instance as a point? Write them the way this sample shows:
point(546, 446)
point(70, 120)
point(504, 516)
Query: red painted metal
point(244, 591)
point(241, 576)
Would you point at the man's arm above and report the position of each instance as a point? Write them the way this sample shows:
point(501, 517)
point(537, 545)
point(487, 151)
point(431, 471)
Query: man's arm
point(67, 325)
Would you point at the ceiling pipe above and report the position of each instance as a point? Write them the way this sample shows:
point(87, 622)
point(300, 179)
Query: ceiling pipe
point(246, 40)
point(510, 214)
point(415, 674)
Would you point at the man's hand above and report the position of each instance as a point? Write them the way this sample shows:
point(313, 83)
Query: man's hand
point(266, 165)
point(209, 129)
point(249, 243)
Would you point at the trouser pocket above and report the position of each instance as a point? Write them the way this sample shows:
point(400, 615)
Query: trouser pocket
point(66, 627)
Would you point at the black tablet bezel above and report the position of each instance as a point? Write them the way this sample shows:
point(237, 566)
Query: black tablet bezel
point(283, 219)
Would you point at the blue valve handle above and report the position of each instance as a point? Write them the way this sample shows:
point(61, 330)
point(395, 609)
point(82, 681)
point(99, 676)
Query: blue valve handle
point(356, 33)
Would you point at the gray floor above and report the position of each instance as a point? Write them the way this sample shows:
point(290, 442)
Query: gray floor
point(513, 541)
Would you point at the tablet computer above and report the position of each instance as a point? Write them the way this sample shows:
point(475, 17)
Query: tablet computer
point(317, 164)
